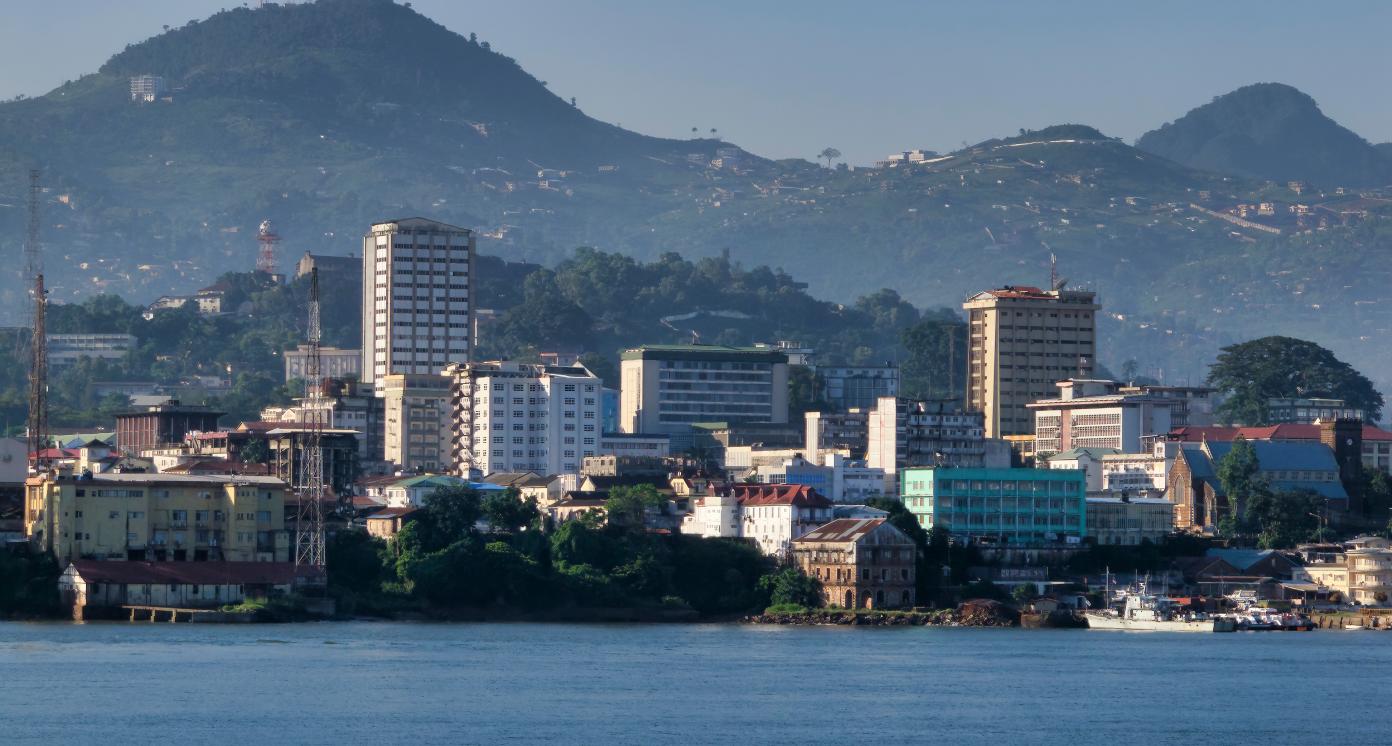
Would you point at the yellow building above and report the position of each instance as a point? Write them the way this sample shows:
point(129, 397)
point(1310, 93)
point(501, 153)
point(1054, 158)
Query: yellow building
point(158, 517)
point(1022, 340)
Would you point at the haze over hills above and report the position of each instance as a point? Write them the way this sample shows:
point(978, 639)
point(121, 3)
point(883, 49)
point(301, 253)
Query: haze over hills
point(1270, 131)
point(327, 116)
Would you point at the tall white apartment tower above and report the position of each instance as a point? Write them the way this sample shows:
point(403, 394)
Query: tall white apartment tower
point(417, 304)
point(523, 417)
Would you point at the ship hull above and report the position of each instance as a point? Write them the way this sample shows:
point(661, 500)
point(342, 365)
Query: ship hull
point(1099, 621)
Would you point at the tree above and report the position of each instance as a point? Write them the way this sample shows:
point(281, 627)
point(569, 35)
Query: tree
point(790, 587)
point(935, 356)
point(804, 391)
point(829, 154)
point(354, 560)
point(1237, 473)
point(1283, 519)
point(627, 506)
point(1252, 373)
point(506, 510)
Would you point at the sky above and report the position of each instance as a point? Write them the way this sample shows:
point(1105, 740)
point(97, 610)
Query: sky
point(869, 78)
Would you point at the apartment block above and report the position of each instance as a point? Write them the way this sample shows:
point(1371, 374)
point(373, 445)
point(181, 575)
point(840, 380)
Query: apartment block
point(523, 417)
point(417, 301)
point(668, 388)
point(1023, 340)
point(157, 517)
point(417, 414)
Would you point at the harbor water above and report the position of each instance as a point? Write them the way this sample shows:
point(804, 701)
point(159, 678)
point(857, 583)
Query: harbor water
point(360, 682)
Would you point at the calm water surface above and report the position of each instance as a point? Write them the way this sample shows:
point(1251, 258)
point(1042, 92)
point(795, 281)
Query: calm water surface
point(347, 683)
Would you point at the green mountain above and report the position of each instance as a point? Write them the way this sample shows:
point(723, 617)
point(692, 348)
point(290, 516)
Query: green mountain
point(1270, 131)
point(327, 116)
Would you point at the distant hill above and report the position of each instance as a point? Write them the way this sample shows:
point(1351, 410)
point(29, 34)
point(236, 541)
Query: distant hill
point(1270, 131)
point(326, 116)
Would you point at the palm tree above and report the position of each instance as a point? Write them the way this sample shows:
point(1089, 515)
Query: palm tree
point(829, 154)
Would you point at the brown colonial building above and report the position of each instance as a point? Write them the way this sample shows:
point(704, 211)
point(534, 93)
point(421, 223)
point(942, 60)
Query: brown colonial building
point(861, 563)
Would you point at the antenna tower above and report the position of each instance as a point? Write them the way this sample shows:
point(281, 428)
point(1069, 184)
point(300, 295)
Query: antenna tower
point(266, 260)
point(309, 487)
point(38, 381)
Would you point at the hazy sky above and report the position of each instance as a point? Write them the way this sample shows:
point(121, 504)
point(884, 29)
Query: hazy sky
point(788, 78)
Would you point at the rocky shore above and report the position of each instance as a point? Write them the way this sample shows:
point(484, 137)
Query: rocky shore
point(979, 613)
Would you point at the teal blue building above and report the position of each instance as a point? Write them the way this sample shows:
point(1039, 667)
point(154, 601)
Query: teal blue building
point(1015, 506)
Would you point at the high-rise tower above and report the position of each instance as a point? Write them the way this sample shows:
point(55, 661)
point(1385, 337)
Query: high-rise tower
point(417, 297)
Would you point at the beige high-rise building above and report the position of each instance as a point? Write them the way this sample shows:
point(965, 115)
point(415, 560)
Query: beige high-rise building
point(417, 416)
point(1022, 341)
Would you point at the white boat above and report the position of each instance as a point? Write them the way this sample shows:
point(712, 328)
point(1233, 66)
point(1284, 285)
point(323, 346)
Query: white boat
point(1143, 611)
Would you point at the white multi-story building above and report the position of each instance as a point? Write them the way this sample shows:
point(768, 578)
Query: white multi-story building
point(66, 349)
point(839, 478)
point(770, 515)
point(417, 301)
point(417, 414)
point(523, 417)
point(1090, 413)
point(668, 388)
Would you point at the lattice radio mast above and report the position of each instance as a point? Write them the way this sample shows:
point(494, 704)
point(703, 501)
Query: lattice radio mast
point(309, 526)
point(38, 381)
point(38, 338)
point(268, 238)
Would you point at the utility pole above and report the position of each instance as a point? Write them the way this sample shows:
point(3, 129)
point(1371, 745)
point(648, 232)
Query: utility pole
point(309, 487)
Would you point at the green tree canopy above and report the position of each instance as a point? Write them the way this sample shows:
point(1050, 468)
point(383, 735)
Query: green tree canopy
point(506, 510)
point(790, 586)
point(1252, 373)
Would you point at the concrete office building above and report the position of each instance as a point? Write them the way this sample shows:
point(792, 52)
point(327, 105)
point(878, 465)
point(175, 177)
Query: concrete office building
point(518, 417)
point(417, 413)
point(1096, 414)
point(1021, 341)
point(417, 301)
point(858, 386)
point(668, 388)
point(1016, 506)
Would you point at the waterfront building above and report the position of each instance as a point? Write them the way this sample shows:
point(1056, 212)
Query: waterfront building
point(417, 414)
point(523, 417)
point(860, 563)
point(1129, 521)
point(97, 588)
point(670, 388)
point(417, 298)
point(1360, 569)
point(769, 515)
point(1021, 341)
point(159, 517)
point(1018, 506)
point(1095, 414)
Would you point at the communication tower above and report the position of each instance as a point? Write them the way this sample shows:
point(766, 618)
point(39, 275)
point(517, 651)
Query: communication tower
point(38, 381)
point(266, 260)
point(309, 487)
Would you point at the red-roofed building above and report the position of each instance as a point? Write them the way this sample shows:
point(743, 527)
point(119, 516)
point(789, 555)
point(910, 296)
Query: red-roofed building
point(184, 585)
point(770, 515)
point(861, 563)
point(1372, 444)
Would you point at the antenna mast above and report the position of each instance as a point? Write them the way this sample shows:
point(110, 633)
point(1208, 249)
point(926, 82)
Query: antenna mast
point(266, 260)
point(38, 382)
point(309, 525)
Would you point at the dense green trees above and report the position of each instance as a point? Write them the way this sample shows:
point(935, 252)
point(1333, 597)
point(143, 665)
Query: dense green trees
point(441, 561)
point(790, 587)
point(1251, 373)
point(28, 585)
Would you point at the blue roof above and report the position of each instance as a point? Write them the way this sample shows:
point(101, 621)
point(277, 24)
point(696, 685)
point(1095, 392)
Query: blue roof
point(1241, 558)
point(1272, 456)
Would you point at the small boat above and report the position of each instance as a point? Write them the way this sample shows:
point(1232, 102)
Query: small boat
point(1259, 619)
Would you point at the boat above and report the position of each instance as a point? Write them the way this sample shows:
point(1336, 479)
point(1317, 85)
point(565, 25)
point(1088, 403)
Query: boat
point(1258, 619)
point(1144, 611)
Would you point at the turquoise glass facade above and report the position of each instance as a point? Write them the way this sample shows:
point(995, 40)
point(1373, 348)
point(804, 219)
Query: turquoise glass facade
point(1015, 506)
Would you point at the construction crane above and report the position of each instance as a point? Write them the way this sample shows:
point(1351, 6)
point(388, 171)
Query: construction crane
point(38, 382)
point(309, 487)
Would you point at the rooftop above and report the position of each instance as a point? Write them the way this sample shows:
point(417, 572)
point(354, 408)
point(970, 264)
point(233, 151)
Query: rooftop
point(187, 573)
point(705, 352)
